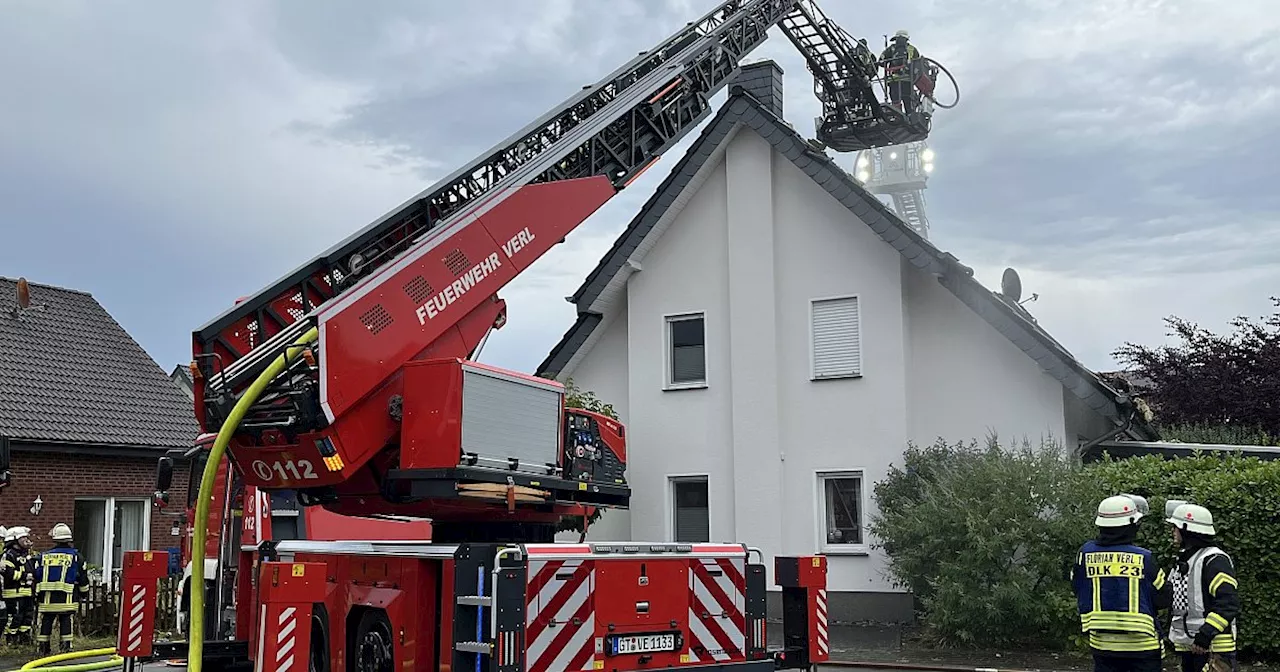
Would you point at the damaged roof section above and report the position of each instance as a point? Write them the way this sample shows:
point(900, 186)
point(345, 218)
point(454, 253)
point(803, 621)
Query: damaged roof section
point(742, 110)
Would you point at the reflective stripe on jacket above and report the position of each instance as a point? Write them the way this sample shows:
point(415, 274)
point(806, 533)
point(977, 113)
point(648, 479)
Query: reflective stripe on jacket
point(1192, 609)
point(1116, 591)
point(15, 570)
point(62, 579)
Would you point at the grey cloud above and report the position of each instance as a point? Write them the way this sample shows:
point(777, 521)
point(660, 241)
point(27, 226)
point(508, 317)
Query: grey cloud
point(222, 144)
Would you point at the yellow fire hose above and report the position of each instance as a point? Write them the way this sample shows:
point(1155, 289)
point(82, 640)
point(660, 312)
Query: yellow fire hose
point(113, 661)
point(195, 636)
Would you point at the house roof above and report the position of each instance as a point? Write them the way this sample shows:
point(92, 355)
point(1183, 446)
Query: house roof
point(70, 374)
point(607, 281)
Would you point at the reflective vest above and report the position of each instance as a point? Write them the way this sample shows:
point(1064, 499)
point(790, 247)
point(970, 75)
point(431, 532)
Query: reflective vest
point(1188, 611)
point(1116, 589)
point(15, 568)
point(60, 570)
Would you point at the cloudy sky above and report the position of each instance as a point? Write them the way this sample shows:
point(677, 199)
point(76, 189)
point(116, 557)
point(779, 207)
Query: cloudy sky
point(170, 157)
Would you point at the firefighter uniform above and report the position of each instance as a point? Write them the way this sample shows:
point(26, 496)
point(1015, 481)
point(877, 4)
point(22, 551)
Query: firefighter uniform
point(1120, 588)
point(900, 60)
point(1206, 600)
point(19, 581)
point(63, 579)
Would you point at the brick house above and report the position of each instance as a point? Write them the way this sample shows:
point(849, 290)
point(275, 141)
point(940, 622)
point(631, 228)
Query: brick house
point(87, 412)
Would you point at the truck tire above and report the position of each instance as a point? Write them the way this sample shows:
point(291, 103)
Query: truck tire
point(374, 649)
point(319, 658)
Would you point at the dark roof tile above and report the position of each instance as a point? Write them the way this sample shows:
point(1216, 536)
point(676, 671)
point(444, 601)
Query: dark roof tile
point(69, 373)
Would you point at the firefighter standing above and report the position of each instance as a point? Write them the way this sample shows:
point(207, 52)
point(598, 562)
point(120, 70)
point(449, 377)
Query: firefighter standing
point(16, 573)
point(900, 59)
point(1206, 597)
point(63, 581)
point(1119, 588)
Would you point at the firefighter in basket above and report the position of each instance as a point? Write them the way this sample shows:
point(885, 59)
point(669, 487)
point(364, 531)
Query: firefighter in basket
point(1120, 588)
point(19, 581)
point(901, 61)
point(1206, 597)
point(62, 583)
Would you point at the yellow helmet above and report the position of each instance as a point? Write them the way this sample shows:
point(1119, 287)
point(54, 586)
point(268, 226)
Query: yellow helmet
point(60, 532)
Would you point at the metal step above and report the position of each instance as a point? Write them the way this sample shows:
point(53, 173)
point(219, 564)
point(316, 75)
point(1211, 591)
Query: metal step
point(472, 647)
point(475, 601)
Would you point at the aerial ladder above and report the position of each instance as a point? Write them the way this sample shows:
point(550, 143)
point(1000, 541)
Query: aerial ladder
point(350, 381)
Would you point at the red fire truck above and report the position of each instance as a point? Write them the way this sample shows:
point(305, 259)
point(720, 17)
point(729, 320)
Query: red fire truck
point(351, 382)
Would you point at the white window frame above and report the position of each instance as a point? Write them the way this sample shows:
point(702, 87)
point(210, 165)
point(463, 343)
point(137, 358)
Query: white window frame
point(821, 476)
point(668, 351)
point(672, 480)
point(813, 355)
point(108, 534)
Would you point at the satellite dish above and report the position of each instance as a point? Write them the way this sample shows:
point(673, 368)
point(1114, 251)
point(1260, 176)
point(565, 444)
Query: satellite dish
point(24, 294)
point(1011, 285)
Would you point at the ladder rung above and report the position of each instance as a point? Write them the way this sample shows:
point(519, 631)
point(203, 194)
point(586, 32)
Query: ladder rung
point(472, 647)
point(475, 600)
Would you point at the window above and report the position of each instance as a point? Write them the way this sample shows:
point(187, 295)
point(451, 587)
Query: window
point(840, 498)
point(686, 351)
point(104, 528)
point(837, 338)
point(691, 516)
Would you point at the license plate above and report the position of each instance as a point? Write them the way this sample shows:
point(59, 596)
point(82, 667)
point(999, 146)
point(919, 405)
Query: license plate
point(622, 645)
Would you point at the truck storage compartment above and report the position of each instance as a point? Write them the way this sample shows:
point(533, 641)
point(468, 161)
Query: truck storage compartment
point(459, 413)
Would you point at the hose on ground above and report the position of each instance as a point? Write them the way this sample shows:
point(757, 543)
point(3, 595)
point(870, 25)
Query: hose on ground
point(40, 663)
point(195, 635)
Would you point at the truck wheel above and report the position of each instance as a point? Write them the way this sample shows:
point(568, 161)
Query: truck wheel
point(319, 659)
point(374, 644)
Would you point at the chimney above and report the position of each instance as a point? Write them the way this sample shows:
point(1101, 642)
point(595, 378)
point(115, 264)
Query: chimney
point(763, 80)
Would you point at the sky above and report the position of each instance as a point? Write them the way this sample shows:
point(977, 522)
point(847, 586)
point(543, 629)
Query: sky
point(171, 157)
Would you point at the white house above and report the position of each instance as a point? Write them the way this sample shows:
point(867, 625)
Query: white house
point(773, 337)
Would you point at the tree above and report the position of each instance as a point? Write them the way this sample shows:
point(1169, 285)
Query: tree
point(575, 397)
point(1220, 380)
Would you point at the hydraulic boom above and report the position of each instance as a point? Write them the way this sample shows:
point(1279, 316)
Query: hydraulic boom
point(383, 413)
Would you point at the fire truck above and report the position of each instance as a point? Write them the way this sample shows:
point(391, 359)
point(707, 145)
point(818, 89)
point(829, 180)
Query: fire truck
point(351, 382)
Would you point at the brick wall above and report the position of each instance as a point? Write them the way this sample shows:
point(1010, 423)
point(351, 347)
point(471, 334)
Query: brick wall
point(59, 478)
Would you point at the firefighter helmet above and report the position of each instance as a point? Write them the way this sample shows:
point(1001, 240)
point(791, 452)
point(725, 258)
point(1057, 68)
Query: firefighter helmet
point(1117, 511)
point(902, 34)
point(60, 532)
point(1193, 518)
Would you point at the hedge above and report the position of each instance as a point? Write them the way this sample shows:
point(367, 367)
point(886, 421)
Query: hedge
point(983, 535)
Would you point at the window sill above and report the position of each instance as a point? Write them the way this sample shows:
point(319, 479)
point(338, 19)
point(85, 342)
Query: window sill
point(857, 550)
point(673, 387)
point(843, 376)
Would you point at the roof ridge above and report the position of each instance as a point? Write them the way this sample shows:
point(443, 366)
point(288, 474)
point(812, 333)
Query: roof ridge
point(45, 285)
point(743, 109)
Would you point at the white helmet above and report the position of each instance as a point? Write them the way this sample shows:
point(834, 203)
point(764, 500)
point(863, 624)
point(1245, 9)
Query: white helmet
point(20, 532)
point(60, 532)
point(4, 533)
point(1117, 511)
point(1193, 518)
point(903, 34)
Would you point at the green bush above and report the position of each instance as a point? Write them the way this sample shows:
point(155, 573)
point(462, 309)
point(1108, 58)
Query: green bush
point(979, 536)
point(983, 536)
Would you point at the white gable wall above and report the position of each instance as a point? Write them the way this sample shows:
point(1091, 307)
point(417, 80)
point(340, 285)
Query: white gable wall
point(753, 246)
point(967, 380)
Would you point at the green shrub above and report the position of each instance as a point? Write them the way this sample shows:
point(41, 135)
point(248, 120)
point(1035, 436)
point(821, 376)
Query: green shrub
point(979, 537)
point(983, 536)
